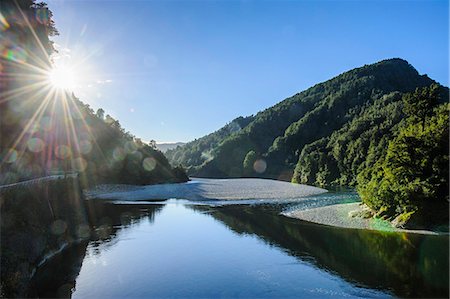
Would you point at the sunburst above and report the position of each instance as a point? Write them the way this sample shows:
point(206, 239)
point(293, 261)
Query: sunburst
point(62, 77)
point(42, 81)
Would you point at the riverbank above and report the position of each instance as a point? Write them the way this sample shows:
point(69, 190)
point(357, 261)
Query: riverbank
point(39, 219)
point(348, 215)
point(207, 189)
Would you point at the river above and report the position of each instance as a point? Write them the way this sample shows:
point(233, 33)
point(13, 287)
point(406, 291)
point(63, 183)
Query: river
point(176, 249)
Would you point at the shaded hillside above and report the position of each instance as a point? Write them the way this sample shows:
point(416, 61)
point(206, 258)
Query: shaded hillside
point(195, 153)
point(45, 130)
point(275, 138)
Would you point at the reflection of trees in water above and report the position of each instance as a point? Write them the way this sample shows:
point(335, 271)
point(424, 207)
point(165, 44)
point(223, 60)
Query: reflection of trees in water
point(409, 265)
point(57, 278)
point(108, 220)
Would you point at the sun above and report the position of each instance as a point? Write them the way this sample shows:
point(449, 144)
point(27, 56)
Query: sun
point(62, 77)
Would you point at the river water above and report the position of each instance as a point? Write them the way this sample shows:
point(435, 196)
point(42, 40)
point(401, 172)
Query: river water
point(174, 249)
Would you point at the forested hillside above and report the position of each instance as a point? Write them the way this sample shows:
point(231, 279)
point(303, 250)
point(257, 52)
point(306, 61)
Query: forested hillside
point(45, 130)
point(195, 153)
point(410, 179)
point(288, 132)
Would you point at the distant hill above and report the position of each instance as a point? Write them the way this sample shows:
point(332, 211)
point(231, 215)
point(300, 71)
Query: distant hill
point(195, 153)
point(164, 146)
point(288, 132)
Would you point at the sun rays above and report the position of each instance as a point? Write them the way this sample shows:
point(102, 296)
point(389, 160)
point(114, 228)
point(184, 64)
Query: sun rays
point(62, 77)
point(38, 98)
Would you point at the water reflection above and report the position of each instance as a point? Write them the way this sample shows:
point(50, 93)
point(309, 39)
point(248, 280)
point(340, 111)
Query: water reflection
point(411, 265)
point(189, 251)
point(108, 220)
point(57, 279)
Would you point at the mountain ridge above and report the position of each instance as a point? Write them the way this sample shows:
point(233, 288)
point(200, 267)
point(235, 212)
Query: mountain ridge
point(165, 146)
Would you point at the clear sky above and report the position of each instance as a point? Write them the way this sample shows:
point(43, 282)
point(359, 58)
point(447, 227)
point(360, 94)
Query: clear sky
point(177, 70)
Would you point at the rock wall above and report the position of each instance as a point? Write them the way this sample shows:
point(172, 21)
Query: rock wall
point(39, 218)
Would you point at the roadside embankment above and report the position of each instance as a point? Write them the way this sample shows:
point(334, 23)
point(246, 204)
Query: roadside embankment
point(39, 218)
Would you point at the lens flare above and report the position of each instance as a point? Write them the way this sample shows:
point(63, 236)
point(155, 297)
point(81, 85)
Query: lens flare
point(260, 166)
point(149, 164)
point(62, 77)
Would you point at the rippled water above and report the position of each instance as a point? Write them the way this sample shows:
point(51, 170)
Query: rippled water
point(178, 250)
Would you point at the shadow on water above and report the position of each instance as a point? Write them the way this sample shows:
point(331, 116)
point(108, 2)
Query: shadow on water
point(56, 279)
point(408, 265)
point(108, 219)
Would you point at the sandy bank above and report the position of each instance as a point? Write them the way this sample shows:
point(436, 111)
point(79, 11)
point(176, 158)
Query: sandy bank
point(342, 215)
point(207, 189)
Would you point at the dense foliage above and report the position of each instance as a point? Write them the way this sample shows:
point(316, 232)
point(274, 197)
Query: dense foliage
point(338, 158)
point(46, 131)
point(410, 181)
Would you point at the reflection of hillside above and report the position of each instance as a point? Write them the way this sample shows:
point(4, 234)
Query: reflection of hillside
point(57, 278)
point(411, 265)
point(108, 220)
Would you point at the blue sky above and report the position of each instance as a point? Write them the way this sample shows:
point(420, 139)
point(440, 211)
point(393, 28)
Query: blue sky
point(177, 70)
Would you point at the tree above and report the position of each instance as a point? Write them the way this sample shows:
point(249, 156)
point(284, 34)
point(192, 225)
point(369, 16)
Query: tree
point(419, 105)
point(249, 160)
point(100, 113)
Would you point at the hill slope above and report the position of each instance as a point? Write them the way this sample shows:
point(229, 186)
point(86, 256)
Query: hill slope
point(281, 135)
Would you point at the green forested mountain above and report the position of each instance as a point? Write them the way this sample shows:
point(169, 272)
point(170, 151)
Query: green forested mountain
point(45, 130)
point(195, 153)
point(288, 131)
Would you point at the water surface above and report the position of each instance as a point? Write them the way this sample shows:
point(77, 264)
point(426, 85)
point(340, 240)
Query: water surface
point(189, 251)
